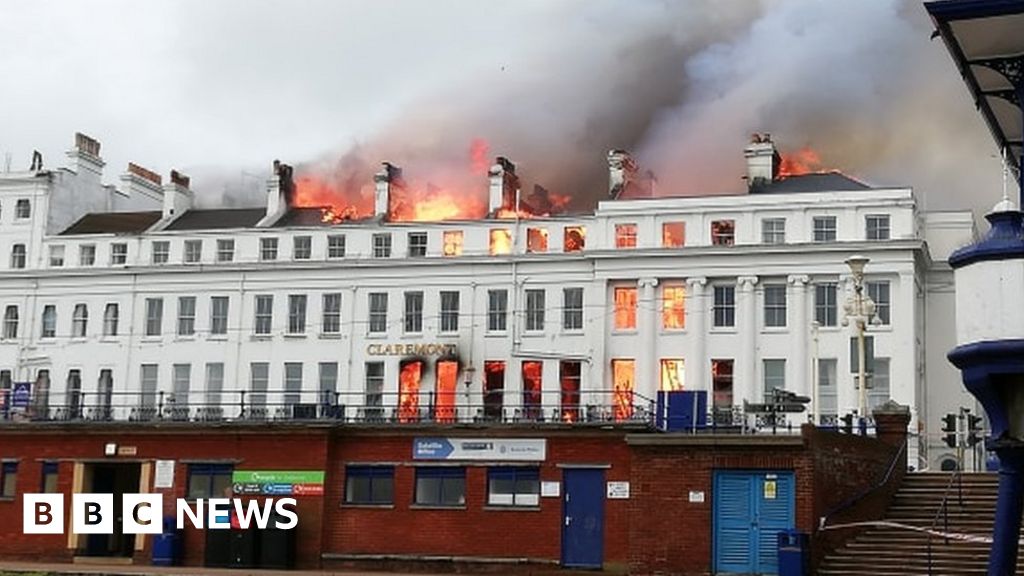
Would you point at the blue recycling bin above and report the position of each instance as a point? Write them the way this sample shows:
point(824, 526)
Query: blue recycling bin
point(167, 544)
point(794, 552)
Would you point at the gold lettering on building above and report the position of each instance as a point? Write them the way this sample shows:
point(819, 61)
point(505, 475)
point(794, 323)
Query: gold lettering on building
point(419, 349)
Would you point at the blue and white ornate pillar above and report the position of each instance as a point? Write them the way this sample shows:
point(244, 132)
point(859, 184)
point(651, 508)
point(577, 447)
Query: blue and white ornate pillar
point(990, 354)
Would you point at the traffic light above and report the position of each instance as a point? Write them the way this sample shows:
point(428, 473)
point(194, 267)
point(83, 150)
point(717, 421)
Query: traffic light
point(974, 431)
point(949, 427)
point(847, 423)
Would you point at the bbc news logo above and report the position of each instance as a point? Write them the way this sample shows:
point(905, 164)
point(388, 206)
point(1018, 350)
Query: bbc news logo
point(144, 513)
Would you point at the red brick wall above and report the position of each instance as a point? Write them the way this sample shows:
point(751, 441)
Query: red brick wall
point(475, 530)
point(253, 449)
point(671, 535)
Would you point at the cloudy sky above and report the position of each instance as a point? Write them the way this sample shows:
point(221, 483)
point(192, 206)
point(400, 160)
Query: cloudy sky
point(221, 88)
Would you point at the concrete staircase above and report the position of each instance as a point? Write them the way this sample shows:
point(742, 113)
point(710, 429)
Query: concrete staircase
point(893, 551)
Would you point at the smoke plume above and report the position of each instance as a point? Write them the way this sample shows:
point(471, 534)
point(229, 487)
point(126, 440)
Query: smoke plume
point(682, 85)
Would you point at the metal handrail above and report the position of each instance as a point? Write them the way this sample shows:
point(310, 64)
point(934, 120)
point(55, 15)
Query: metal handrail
point(944, 512)
point(849, 503)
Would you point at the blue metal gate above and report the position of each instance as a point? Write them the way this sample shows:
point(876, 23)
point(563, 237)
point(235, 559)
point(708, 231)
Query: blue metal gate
point(583, 518)
point(750, 508)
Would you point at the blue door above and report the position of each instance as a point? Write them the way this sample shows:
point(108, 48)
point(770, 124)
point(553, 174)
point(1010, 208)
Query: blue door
point(583, 518)
point(751, 508)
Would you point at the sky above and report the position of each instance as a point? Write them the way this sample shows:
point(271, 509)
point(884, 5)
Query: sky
point(221, 88)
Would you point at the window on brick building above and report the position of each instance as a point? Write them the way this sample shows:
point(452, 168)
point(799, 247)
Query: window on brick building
point(513, 486)
point(440, 486)
point(209, 480)
point(8, 479)
point(370, 485)
point(48, 483)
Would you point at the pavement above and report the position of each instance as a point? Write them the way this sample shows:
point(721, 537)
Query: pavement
point(36, 569)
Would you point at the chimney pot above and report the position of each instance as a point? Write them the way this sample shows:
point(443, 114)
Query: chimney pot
point(180, 179)
point(762, 161)
point(503, 186)
point(389, 175)
point(145, 174)
point(87, 145)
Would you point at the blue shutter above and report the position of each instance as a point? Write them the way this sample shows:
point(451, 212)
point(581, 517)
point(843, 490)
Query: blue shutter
point(733, 512)
point(776, 514)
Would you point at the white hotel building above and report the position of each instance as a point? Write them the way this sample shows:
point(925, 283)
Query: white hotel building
point(124, 302)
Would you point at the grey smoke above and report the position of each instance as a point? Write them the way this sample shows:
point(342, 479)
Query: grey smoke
point(684, 84)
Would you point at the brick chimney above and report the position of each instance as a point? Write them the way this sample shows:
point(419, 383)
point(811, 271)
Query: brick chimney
point(504, 184)
point(762, 161)
point(84, 159)
point(280, 189)
point(142, 186)
point(177, 195)
point(622, 173)
point(388, 177)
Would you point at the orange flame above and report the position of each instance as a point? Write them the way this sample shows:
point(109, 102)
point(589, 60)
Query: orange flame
point(803, 161)
point(445, 194)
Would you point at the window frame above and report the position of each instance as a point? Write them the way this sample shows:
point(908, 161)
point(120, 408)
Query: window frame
point(452, 243)
point(723, 310)
point(268, 248)
point(824, 229)
point(330, 309)
point(19, 256)
point(516, 475)
point(154, 317)
point(80, 320)
point(118, 253)
point(876, 232)
point(773, 230)
point(48, 317)
point(298, 305)
point(211, 471)
point(8, 479)
point(336, 246)
point(629, 322)
point(772, 381)
point(723, 232)
point(417, 244)
point(159, 252)
point(22, 209)
point(450, 301)
point(218, 320)
point(56, 256)
point(377, 312)
point(225, 250)
point(626, 236)
point(186, 324)
point(826, 313)
point(192, 251)
point(381, 244)
point(302, 247)
point(775, 310)
point(572, 316)
point(83, 251)
point(497, 310)
point(535, 309)
point(412, 316)
point(369, 473)
point(448, 478)
point(263, 314)
point(883, 309)
point(12, 319)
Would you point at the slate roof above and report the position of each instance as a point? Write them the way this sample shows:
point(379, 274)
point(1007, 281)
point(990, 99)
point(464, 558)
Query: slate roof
point(218, 219)
point(814, 182)
point(114, 223)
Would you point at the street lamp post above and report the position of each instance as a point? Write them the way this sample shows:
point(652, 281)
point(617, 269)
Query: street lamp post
point(859, 309)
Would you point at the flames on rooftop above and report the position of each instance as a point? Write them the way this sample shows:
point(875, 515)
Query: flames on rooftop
point(474, 190)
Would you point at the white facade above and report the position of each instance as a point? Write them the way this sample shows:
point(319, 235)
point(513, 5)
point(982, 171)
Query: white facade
point(780, 275)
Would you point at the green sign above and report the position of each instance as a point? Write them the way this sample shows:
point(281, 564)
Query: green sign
point(277, 477)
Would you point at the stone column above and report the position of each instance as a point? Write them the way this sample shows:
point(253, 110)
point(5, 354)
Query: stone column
point(798, 334)
point(745, 385)
point(697, 309)
point(647, 326)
